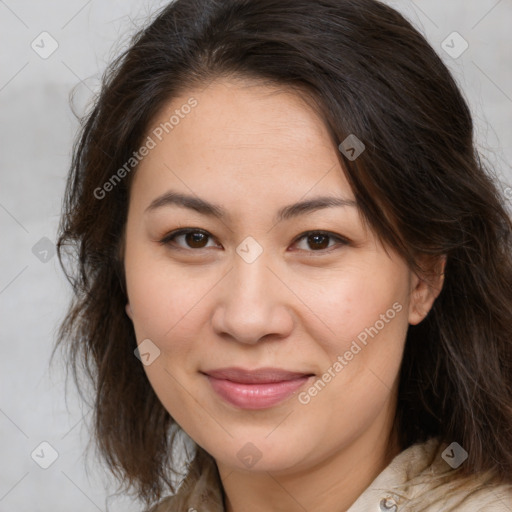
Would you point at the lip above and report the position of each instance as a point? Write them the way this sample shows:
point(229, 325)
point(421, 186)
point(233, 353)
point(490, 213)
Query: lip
point(255, 389)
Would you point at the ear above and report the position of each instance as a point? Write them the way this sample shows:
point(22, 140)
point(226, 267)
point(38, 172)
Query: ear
point(426, 287)
point(128, 310)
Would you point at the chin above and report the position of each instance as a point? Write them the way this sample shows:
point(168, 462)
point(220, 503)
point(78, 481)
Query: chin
point(275, 453)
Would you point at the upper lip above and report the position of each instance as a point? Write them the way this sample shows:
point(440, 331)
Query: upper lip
point(256, 376)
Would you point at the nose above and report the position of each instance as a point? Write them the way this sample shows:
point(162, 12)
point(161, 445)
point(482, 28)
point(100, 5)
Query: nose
point(252, 304)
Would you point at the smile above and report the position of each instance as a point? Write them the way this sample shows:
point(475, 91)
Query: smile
point(255, 389)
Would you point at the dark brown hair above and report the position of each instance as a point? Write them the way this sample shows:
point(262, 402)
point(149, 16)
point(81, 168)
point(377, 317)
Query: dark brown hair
point(420, 184)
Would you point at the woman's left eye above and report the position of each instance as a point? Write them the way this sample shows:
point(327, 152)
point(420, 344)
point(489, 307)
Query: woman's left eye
point(320, 240)
point(313, 241)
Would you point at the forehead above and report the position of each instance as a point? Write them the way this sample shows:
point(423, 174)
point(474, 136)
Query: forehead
point(243, 139)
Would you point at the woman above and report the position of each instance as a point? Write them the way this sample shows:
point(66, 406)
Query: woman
point(289, 252)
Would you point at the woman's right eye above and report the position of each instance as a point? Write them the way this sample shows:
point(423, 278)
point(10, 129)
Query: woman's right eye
point(191, 238)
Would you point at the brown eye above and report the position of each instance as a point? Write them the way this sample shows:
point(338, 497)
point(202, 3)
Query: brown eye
point(196, 239)
point(187, 239)
point(317, 241)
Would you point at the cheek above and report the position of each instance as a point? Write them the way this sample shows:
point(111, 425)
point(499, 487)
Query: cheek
point(169, 306)
point(361, 352)
point(161, 305)
point(358, 304)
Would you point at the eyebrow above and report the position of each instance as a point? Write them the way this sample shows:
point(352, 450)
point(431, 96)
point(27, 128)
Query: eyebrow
point(203, 207)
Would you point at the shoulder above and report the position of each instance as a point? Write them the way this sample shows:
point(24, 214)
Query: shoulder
point(424, 478)
point(188, 503)
point(165, 505)
point(200, 491)
point(442, 487)
point(468, 495)
point(178, 504)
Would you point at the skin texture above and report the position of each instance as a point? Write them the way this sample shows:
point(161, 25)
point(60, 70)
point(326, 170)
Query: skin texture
point(253, 150)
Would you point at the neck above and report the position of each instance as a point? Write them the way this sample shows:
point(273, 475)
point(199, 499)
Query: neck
point(333, 484)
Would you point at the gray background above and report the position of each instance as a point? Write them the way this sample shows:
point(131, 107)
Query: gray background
point(36, 133)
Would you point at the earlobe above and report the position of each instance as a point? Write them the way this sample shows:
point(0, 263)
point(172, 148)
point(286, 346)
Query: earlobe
point(128, 310)
point(424, 291)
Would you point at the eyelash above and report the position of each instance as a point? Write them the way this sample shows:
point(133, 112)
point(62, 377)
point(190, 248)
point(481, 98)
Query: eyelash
point(170, 237)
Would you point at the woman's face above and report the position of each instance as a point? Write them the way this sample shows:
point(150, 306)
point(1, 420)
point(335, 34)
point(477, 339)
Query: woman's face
point(305, 293)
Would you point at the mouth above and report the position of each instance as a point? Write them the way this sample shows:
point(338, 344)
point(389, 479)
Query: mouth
point(255, 389)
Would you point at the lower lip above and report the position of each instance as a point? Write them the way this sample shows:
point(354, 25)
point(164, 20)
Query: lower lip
point(256, 396)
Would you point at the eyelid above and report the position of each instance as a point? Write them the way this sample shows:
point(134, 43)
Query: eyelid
point(168, 238)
